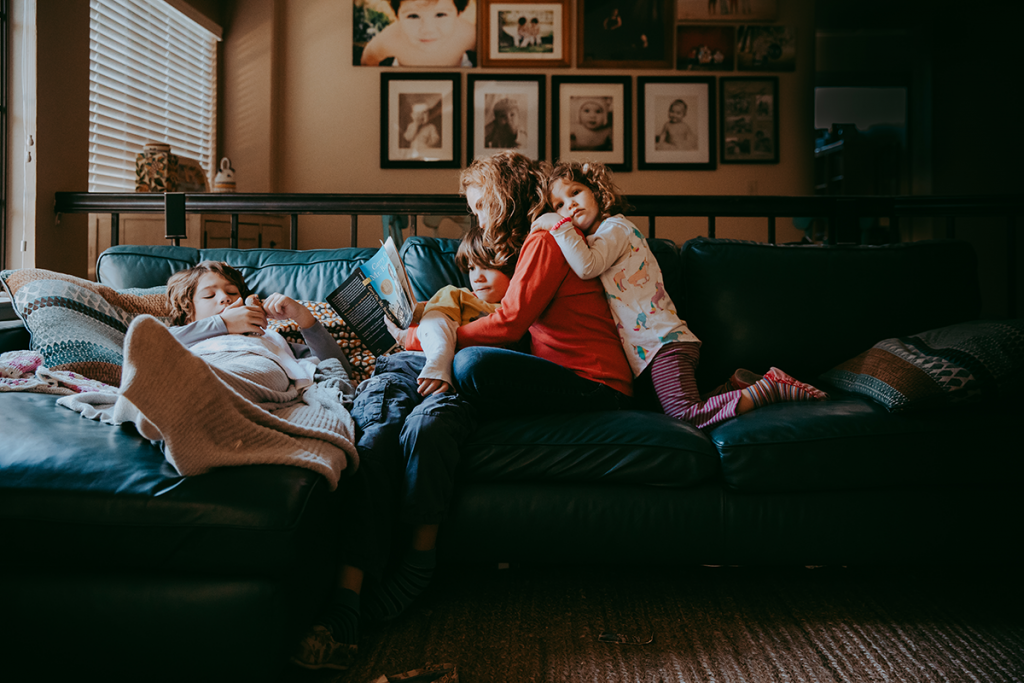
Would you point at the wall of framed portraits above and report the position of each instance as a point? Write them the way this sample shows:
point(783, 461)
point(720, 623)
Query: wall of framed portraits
point(306, 76)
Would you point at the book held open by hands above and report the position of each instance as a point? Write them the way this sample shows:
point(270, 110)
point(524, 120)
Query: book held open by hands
point(379, 287)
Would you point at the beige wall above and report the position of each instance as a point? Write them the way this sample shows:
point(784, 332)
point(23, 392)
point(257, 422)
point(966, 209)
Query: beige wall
point(298, 117)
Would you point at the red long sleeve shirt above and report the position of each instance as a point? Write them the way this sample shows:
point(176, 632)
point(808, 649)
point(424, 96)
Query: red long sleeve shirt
point(568, 318)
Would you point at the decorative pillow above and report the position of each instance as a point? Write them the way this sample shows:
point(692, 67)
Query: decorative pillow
point(360, 358)
point(960, 363)
point(77, 325)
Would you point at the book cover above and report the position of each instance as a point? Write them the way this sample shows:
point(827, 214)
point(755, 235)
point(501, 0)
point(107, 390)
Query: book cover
point(379, 287)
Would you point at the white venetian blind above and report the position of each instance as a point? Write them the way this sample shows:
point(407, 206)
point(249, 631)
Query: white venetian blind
point(152, 78)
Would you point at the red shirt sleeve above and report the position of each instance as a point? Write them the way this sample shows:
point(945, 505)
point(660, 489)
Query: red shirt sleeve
point(539, 274)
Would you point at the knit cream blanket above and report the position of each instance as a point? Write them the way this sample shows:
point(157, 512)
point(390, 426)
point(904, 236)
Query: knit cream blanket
point(226, 407)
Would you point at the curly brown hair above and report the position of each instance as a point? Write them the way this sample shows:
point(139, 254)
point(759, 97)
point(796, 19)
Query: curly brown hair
point(181, 288)
point(512, 199)
point(474, 251)
point(596, 177)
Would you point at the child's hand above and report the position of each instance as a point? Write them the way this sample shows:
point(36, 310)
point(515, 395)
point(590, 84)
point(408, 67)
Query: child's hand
point(397, 332)
point(546, 222)
point(281, 307)
point(429, 387)
point(241, 318)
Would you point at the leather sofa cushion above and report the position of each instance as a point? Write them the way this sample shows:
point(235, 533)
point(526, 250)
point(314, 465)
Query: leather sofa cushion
point(615, 447)
point(309, 275)
point(807, 308)
point(851, 442)
point(83, 494)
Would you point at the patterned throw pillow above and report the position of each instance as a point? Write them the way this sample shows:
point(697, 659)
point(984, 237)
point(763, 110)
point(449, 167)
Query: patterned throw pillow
point(360, 358)
point(960, 363)
point(77, 325)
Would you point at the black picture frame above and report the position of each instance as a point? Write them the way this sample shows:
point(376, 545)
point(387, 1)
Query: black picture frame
point(625, 35)
point(526, 93)
point(749, 120)
point(433, 98)
point(574, 100)
point(661, 145)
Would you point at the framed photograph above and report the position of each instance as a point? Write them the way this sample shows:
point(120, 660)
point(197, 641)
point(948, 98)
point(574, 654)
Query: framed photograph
point(419, 120)
point(591, 119)
point(750, 120)
point(506, 111)
point(726, 10)
point(766, 48)
point(382, 37)
point(676, 123)
point(705, 48)
point(524, 34)
point(624, 35)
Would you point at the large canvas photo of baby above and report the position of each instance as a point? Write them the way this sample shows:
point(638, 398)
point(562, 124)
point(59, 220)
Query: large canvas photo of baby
point(414, 33)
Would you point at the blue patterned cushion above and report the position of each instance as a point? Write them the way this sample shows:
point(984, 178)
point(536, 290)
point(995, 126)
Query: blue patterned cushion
point(959, 363)
point(78, 325)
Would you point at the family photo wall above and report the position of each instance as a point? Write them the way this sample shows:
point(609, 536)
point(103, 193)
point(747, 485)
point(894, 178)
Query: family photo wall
point(713, 105)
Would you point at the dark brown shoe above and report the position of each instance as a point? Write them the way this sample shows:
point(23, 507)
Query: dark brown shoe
point(319, 650)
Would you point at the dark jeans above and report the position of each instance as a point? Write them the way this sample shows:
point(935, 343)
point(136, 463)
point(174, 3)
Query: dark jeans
point(408, 451)
point(500, 382)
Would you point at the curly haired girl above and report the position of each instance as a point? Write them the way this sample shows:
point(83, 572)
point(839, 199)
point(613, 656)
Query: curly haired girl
point(598, 241)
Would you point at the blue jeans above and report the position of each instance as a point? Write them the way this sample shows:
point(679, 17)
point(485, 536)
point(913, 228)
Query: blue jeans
point(500, 382)
point(408, 451)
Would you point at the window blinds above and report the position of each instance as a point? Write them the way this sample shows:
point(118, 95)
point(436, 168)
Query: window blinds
point(152, 78)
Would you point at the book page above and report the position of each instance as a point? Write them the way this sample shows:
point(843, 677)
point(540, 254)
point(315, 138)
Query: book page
point(382, 275)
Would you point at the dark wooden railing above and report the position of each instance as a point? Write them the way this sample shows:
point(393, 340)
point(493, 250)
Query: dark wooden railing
point(832, 211)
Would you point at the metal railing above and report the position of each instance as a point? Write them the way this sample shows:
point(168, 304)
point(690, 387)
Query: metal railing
point(833, 211)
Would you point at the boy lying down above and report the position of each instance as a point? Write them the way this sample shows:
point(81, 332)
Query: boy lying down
point(217, 389)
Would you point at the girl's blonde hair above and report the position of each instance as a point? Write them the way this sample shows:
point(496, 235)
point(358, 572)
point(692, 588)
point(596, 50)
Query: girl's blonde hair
point(511, 186)
point(181, 288)
point(596, 177)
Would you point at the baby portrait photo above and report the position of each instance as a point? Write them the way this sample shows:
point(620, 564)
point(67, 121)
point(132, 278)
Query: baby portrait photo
point(592, 119)
point(505, 112)
point(592, 124)
point(676, 122)
point(418, 126)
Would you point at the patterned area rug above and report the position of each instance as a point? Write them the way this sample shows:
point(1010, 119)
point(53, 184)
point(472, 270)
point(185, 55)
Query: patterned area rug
point(759, 625)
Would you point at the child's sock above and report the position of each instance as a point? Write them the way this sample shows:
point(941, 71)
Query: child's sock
point(397, 590)
point(778, 387)
point(342, 616)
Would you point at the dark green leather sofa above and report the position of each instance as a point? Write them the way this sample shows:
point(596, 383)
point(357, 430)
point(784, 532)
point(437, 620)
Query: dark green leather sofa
point(111, 563)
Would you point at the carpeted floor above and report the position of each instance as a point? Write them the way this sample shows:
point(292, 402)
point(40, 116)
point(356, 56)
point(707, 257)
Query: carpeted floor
point(762, 625)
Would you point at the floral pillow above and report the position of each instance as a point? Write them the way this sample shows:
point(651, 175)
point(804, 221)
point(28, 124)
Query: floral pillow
point(360, 358)
point(78, 326)
point(961, 363)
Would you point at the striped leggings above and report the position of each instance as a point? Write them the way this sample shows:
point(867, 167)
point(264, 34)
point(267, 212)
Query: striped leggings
point(673, 373)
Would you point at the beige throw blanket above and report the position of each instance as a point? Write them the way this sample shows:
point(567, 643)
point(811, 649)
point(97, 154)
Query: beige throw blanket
point(227, 406)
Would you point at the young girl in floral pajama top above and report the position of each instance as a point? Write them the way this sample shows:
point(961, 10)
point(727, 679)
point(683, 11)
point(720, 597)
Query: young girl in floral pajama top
point(598, 241)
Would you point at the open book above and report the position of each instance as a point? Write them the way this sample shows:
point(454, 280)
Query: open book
point(377, 288)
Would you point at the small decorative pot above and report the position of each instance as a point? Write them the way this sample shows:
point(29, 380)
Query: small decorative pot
point(225, 178)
